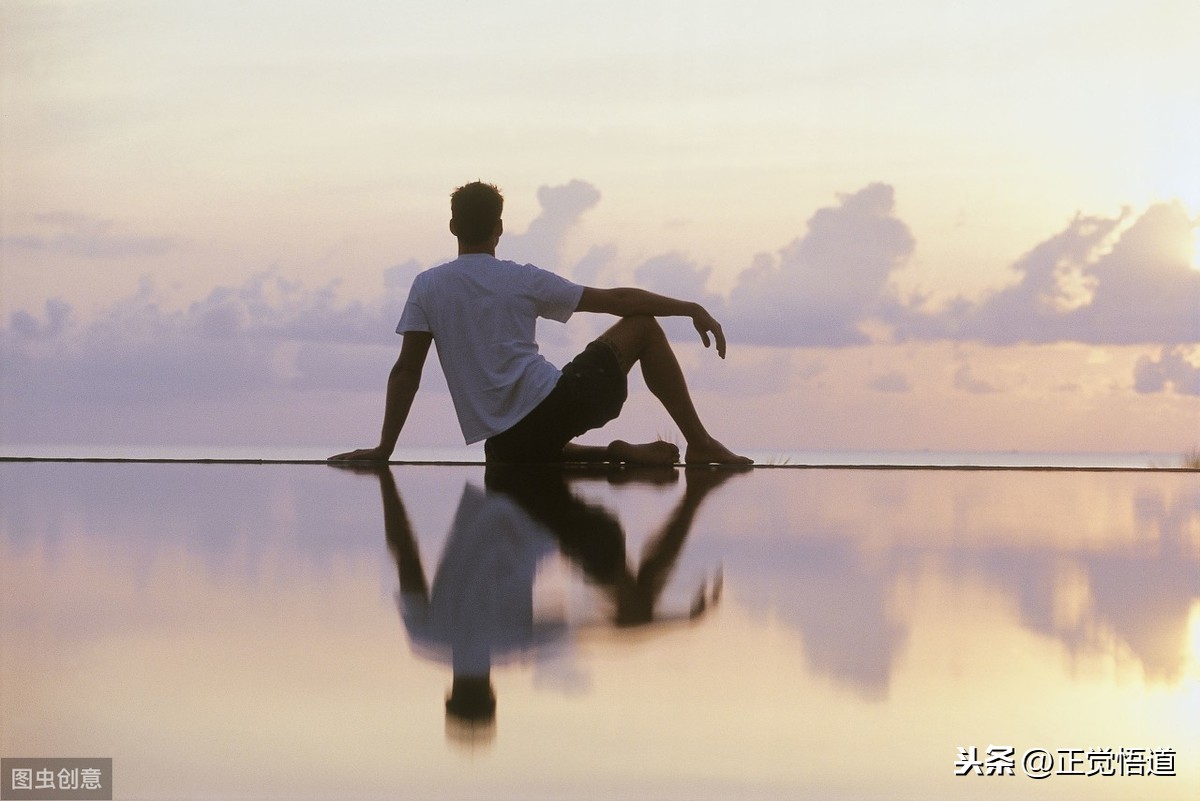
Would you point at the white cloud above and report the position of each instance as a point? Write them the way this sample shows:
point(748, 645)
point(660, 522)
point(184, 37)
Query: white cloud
point(818, 290)
point(1095, 282)
point(821, 290)
point(1146, 289)
point(562, 207)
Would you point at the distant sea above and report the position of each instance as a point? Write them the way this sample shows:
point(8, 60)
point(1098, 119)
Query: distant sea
point(473, 454)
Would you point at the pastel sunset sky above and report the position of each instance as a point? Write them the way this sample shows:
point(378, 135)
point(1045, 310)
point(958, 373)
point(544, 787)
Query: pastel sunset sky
point(943, 224)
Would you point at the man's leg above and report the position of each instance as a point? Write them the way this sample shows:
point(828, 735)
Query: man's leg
point(641, 340)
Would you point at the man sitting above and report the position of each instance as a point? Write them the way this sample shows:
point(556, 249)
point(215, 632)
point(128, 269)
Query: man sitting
point(482, 311)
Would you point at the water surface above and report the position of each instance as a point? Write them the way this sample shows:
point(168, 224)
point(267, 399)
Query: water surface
point(294, 631)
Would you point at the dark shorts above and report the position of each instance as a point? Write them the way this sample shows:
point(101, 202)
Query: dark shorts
point(590, 393)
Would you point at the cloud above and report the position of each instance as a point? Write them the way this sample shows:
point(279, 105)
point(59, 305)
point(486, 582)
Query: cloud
point(270, 306)
point(591, 267)
point(1171, 369)
point(1101, 280)
point(676, 275)
point(562, 207)
point(136, 353)
point(71, 234)
point(891, 383)
point(264, 337)
point(966, 381)
point(58, 317)
point(236, 341)
point(1096, 282)
point(820, 289)
point(1146, 290)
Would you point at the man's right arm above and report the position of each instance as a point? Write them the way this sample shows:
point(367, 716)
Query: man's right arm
point(402, 385)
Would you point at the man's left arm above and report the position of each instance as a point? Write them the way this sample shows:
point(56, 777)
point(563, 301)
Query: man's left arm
point(631, 301)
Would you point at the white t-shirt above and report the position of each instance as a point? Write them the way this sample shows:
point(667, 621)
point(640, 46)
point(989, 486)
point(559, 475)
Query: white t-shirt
point(482, 313)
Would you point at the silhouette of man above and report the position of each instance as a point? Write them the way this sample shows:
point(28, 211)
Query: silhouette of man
point(482, 312)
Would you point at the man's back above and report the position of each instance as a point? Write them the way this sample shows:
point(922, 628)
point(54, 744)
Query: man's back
point(482, 313)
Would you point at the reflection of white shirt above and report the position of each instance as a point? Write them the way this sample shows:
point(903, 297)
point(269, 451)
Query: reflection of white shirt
point(480, 607)
point(483, 314)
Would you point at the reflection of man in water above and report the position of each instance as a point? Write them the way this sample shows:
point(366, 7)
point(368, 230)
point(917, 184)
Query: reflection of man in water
point(480, 608)
point(593, 538)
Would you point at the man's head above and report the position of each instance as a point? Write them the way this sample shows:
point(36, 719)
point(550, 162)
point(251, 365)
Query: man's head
point(475, 210)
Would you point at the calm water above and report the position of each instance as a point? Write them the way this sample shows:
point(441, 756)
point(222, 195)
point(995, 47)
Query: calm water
point(294, 631)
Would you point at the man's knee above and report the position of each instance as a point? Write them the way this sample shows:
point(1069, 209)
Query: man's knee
point(642, 327)
point(630, 336)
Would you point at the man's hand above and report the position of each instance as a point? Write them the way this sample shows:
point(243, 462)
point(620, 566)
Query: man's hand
point(375, 454)
point(705, 323)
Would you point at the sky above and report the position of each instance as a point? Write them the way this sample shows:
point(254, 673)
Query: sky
point(942, 225)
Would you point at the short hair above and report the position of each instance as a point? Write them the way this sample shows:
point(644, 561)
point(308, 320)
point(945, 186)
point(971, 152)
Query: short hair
point(475, 208)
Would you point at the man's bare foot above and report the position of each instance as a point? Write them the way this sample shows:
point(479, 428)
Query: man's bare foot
point(650, 453)
point(713, 452)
